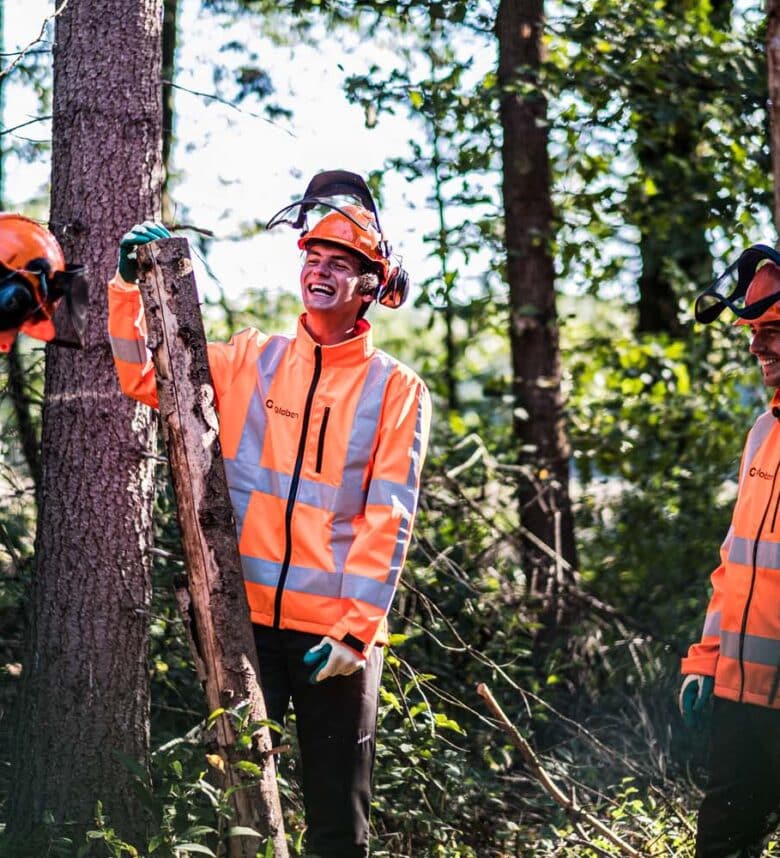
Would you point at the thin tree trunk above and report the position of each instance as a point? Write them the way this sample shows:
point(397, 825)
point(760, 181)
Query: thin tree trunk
point(773, 73)
point(169, 35)
point(28, 435)
point(545, 507)
point(85, 700)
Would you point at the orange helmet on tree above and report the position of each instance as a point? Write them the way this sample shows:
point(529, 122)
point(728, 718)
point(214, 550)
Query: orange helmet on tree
point(33, 278)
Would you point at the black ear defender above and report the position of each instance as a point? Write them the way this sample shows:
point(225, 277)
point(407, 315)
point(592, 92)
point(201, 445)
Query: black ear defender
point(395, 291)
point(16, 303)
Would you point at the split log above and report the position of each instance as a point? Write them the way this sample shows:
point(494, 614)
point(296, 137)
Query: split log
point(220, 632)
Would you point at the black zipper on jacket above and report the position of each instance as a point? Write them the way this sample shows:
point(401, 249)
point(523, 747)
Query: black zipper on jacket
point(296, 476)
point(321, 442)
point(749, 599)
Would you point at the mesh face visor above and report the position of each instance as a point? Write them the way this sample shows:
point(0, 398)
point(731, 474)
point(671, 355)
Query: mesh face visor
point(730, 289)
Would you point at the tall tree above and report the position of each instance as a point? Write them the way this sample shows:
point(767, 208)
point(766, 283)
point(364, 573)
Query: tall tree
point(546, 513)
point(169, 36)
point(773, 76)
point(85, 700)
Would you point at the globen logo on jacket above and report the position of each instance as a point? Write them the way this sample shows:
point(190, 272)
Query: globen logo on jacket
point(277, 409)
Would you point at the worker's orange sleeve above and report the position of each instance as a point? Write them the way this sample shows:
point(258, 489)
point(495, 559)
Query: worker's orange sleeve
point(702, 657)
point(127, 332)
point(384, 530)
point(133, 359)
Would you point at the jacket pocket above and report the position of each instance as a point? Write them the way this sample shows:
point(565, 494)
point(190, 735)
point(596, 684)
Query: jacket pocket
point(321, 440)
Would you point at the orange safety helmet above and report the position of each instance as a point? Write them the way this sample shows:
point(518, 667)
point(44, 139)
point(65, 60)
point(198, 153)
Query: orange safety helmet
point(764, 285)
point(33, 277)
point(352, 227)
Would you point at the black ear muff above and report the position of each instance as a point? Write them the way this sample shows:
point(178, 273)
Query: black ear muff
point(393, 293)
point(16, 303)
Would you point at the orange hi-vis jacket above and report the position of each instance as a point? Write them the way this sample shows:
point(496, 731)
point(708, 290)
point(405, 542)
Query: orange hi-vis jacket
point(323, 448)
point(740, 644)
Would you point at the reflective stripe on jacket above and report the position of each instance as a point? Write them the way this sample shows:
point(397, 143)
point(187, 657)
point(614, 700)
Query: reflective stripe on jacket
point(323, 448)
point(740, 644)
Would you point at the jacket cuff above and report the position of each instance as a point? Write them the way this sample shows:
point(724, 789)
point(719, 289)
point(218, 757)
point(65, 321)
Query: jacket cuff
point(701, 664)
point(355, 643)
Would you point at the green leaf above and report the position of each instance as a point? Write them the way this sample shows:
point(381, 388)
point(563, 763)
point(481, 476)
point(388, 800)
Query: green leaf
point(242, 831)
point(193, 847)
point(249, 767)
point(214, 715)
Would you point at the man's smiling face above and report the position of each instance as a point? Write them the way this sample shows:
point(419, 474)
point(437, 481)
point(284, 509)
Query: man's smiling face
point(765, 345)
point(329, 281)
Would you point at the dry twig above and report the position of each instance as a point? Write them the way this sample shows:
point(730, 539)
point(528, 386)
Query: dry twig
point(539, 772)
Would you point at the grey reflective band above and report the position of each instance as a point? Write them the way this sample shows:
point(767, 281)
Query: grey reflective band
point(711, 625)
point(318, 582)
point(130, 351)
point(767, 554)
point(412, 490)
point(756, 437)
point(250, 448)
point(756, 649)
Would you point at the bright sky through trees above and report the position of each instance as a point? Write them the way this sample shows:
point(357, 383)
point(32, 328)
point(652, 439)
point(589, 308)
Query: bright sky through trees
point(233, 166)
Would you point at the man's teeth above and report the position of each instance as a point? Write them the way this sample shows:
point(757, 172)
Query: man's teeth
point(319, 287)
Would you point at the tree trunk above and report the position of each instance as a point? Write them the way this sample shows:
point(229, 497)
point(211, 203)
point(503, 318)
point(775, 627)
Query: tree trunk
point(545, 508)
point(222, 640)
point(773, 73)
point(169, 34)
point(85, 701)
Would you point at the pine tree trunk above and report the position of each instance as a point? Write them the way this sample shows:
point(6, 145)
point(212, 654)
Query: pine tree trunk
point(773, 72)
point(85, 700)
point(545, 509)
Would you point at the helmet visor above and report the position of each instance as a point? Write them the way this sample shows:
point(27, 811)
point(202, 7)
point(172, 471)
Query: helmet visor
point(729, 290)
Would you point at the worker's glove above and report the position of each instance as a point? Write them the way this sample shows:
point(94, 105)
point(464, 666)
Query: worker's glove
point(332, 658)
point(695, 691)
point(141, 233)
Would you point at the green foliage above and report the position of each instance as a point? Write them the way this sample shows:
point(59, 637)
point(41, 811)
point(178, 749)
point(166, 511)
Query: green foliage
point(657, 427)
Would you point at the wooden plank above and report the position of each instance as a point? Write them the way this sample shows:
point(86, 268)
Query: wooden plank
point(221, 632)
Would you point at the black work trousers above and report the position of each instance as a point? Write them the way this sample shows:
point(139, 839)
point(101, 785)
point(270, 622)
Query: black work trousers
point(336, 724)
point(741, 805)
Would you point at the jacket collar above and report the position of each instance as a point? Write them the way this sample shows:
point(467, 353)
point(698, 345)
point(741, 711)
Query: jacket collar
point(351, 352)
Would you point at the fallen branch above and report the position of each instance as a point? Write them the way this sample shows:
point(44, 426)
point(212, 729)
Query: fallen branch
point(538, 771)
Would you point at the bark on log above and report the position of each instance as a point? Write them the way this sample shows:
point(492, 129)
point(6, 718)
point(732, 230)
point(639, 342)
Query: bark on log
point(221, 630)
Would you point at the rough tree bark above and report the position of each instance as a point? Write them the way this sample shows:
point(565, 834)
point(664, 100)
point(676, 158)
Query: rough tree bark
point(545, 508)
point(221, 639)
point(85, 700)
point(773, 73)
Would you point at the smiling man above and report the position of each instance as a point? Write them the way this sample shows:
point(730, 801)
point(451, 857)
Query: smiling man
point(324, 438)
point(737, 660)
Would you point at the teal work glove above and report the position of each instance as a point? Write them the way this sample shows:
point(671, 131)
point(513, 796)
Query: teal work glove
point(332, 658)
point(695, 691)
point(141, 233)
